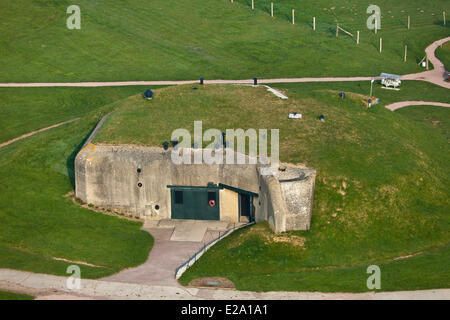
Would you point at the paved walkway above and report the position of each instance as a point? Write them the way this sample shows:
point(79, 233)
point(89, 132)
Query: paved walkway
point(165, 257)
point(402, 104)
point(54, 287)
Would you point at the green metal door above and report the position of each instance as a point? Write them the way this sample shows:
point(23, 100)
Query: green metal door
point(195, 203)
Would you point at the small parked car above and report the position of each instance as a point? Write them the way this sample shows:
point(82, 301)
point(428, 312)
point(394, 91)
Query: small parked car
point(390, 80)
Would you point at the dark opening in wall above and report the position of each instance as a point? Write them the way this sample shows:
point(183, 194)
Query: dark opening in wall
point(157, 207)
point(178, 197)
point(139, 184)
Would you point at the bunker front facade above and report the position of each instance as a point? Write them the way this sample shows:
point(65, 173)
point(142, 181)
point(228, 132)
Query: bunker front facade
point(146, 183)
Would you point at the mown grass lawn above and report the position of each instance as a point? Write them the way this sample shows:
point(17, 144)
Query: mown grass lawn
point(6, 295)
point(39, 225)
point(181, 39)
point(381, 188)
point(443, 54)
point(253, 262)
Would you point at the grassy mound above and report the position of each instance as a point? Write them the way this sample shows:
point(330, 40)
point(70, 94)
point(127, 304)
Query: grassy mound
point(381, 189)
point(181, 39)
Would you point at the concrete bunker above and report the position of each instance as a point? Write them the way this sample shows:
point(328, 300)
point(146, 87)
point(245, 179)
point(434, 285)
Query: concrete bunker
point(144, 182)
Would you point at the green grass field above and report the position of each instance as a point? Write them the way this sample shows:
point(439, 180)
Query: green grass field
point(5, 295)
point(38, 224)
point(173, 39)
point(381, 189)
point(382, 184)
point(27, 109)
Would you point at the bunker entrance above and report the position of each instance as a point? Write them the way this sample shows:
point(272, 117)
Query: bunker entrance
point(245, 208)
point(196, 203)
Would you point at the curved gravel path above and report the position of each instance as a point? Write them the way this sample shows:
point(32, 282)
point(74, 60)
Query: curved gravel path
point(436, 75)
point(402, 104)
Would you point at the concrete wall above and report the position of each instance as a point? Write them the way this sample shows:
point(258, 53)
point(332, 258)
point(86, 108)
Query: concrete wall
point(107, 176)
point(229, 205)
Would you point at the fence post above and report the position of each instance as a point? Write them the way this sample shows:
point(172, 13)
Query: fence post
point(314, 23)
point(293, 16)
point(406, 51)
point(381, 45)
point(445, 22)
point(409, 22)
point(337, 31)
point(253, 4)
point(357, 37)
point(271, 9)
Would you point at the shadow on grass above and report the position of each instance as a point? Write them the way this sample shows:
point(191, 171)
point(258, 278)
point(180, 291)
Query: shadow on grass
point(70, 163)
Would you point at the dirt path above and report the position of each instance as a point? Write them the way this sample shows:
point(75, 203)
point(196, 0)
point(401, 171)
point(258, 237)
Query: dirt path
point(435, 76)
point(402, 104)
point(36, 131)
point(55, 287)
point(166, 83)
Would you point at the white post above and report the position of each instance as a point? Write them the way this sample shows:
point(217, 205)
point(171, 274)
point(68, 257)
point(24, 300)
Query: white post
point(314, 24)
point(357, 37)
point(409, 22)
point(271, 9)
point(253, 4)
point(376, 26)
point(371, 87)
point(381, 45)
point(406, 51)
point(337, 31)
point(293, 16)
